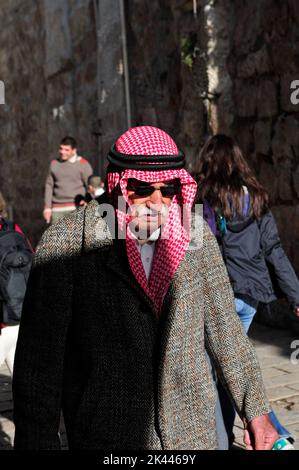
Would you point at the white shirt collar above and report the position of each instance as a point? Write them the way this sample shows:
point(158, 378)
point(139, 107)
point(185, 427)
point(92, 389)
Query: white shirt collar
point(74, 158)
point(98, 192)
point(153, 237)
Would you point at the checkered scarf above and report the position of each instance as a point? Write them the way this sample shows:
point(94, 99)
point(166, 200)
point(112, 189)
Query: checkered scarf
point(171, 247)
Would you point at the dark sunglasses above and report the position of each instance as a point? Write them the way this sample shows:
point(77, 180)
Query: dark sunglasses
point(144, 191)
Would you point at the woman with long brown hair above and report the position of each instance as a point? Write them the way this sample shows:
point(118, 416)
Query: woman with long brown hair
point(236, 206)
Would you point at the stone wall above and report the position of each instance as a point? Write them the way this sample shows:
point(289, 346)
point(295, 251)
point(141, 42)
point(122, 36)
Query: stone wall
point(226, 69)
point(166, 88)
point(48, 63)
point(23, 121)
point(262, 62)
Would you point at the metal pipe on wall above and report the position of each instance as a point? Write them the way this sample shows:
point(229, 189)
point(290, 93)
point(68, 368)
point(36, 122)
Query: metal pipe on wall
point(125, 61)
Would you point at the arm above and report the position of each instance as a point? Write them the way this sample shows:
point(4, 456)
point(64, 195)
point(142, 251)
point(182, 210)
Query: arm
point(86, 172)
point(38, 368)
point(275, 255)
point(48, 196)
point(227, 343)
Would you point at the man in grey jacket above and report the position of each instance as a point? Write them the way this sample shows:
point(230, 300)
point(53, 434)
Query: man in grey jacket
point(119, 313)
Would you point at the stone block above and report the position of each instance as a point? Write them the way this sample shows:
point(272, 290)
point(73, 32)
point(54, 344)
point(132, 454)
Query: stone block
point(256, 63)
point(267, 104)
point(283, 55)
point(284, 185)
point(279, 393)
point(285, 142)
point(245, 97)
point(262, 136)
point(81, 19)
point(246, 67)
point(271, 372)
point(287, 219)
point(283, 380)
point(248, 27)
point(268, 178)
point(262, 61)
point(58, 39)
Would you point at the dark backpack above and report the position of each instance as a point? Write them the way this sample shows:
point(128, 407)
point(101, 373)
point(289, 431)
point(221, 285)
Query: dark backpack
point(15, 264)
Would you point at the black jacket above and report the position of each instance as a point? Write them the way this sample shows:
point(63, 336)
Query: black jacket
point(250, 248)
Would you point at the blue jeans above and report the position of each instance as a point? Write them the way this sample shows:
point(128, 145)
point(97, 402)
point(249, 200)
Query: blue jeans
point(246, 313)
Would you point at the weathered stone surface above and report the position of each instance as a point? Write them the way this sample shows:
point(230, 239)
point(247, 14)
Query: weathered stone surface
point(296, 181)
point(58, 40)
point(244, 133)
point(262, 136)
point(284, 185)
point(285, 142)
point(256, 63)
point(288, 232)
point(246, 67)
point(165, 91)
point(48, 65)
point(248, 27)
point(22, 118)
point(245, 98)
point(267, 105)
point(268, 178)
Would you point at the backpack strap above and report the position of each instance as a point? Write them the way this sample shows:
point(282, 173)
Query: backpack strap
point(8, 225)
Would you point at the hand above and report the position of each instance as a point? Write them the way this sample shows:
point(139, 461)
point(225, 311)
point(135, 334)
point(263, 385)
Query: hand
point(82, 203)
point(260, 434)
point(297, 311)
point(47, 214)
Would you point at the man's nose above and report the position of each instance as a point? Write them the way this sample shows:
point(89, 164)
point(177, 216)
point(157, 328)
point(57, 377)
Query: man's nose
point(156, 197)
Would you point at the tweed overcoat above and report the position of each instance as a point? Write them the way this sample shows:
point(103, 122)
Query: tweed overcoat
point(91, 345)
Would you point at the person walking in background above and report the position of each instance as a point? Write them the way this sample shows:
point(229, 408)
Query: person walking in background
point(237, 209)
point(16, 257)
point(66, 183)
point(116, 323)
point(95, 187)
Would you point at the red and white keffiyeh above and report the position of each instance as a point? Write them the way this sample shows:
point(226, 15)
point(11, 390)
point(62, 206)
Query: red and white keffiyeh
point(171, 248)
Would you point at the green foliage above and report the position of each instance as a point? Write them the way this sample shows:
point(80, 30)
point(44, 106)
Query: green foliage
point(189, 49)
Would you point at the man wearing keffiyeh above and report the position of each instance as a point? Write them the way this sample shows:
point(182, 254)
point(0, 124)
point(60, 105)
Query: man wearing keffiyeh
point(116, 323)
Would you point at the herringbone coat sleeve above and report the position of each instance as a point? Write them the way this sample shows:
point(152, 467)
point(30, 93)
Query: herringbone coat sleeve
point(38, 369)
point(231, 351)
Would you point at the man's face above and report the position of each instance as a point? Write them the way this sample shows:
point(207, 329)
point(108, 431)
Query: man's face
point(149, 204)
point(66, 152)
